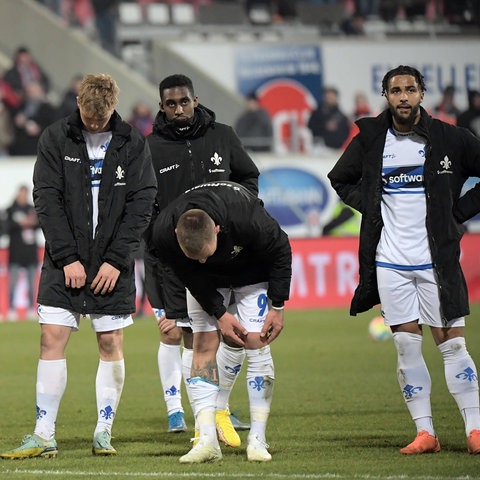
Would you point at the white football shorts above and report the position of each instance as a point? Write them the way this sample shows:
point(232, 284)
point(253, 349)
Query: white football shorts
point(185, 322)
point(408, 295)
point(100, 323)
point(251, 307)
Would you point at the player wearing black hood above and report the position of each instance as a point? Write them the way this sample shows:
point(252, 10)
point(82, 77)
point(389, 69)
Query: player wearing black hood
point(189, 147)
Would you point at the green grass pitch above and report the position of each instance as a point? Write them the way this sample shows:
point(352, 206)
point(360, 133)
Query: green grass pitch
point(337, 410)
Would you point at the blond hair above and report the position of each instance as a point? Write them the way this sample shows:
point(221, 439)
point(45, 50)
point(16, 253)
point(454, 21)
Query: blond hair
point(98, 94)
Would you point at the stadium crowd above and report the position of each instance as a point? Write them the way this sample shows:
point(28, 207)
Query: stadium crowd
point(83, 12)
point(26, 108)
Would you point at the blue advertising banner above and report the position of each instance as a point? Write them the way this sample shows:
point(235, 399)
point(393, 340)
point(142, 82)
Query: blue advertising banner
point(259, 64)
point(297, 193)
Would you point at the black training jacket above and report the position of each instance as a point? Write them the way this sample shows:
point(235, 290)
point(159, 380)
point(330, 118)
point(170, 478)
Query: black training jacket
point(251, 246)
point(63, 201)
point(452, 154)
point(210, 151)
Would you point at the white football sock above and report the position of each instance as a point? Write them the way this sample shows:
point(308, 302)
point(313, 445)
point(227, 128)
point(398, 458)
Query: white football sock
point(414, 379)
point(50, 387)
point(204, 396)
point(109, 385)
point(260, 382)
point(170, 368)
point(187, 357)
point(462, 380)
point(229, 361)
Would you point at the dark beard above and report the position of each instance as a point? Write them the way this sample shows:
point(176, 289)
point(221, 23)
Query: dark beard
point(408, 121)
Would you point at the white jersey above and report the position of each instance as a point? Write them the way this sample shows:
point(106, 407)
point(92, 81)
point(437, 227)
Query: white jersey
point(403, 243)
point(97, 144)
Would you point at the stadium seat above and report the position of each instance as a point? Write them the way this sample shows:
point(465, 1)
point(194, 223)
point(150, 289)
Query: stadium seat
point(157, 13)
point(182, 14)
point(130, 13)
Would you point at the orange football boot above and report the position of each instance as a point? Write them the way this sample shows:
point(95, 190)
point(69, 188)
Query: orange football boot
point(473, 442)
point(425, 443)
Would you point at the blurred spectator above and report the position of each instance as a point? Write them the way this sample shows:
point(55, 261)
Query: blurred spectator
point(6, 124)
point(370, 8)
point(6, 130)
point(330, 127)
point(78, 13)
point(461, 12)
point(32, 117)
point(414, 8)
point(22, 224)
point(24, 70)
point(266, 11)
point(393, 10)
point(361, 107)
point(8, 96)
point(69, 100)
point(446, 110)
point(75, 13)
point(388, 10)
point(106, 16)
point(284, 10)
point(254, 126)
point(470, 118)
point(354, 24)
point(142, 117)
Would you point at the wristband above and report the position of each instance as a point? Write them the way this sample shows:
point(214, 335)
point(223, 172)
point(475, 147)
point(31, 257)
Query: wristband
point(278, 308)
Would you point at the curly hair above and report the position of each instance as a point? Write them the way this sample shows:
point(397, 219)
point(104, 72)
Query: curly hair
point(403, 70)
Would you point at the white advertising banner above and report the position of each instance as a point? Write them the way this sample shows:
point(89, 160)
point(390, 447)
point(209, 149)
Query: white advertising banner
point(359, 64)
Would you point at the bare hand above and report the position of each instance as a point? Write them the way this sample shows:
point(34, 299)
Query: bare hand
point(231, 329)
point(166, 324)
point(105, 280)
point(273, 326)
point(75, 276)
